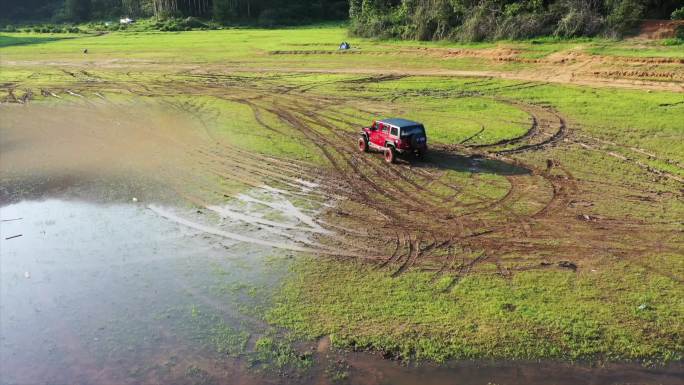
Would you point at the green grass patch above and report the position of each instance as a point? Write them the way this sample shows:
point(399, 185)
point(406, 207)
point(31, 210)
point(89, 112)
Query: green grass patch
point(237, 124)
point(7, 40)
point(647, 120)
point(273, 353)
point(619, 312)
point(653, 48)
point(254, 47)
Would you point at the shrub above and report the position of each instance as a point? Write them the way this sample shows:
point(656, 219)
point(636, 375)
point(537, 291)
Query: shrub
point(624, 15)
point(521, 26)
point(678, 14)
point(479, 26)
point(679, 32)
point(578, 22)
point(192, 22)
point(170, 26)
point(471, 20)
point(186, 24)
point(671, 42)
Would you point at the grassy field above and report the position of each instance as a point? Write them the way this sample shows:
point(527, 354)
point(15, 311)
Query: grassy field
point(316, 48)
point(546, 223)
point(620, 312)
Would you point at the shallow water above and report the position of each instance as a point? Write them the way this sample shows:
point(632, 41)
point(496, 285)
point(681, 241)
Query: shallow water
point(102, 294)
point(474, 373)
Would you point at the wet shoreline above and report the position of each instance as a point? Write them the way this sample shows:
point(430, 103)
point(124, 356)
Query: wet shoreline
point(114, 293)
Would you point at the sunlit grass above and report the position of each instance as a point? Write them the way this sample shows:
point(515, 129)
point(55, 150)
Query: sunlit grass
point(620, 312)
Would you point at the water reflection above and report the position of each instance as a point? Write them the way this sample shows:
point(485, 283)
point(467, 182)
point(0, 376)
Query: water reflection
point(105, 293)
point(117, 294)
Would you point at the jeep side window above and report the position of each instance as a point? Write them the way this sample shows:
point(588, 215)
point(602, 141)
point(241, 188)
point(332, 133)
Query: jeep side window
point(384, 128)
point(394, 131)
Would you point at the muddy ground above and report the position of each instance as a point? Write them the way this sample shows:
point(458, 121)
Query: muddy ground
point(152, 147)
point(405, 216)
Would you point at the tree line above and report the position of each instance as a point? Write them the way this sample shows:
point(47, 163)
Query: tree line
point(464, 20)
point(477, 20)
point(244, 11)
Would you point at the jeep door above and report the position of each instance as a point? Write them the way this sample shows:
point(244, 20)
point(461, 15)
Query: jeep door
point(383, 134)
point(377, 136)
point(375, 133)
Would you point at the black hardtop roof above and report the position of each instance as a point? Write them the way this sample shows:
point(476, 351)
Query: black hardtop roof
point(401, 123)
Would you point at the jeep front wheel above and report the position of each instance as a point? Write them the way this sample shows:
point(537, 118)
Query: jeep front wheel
point(363, 144)
point(390, 155)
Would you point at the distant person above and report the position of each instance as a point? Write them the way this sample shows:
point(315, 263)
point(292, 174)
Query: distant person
point(344, 46)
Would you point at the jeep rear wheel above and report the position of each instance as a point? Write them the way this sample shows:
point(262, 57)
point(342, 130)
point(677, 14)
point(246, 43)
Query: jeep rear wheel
point(363, 144)
point(390, 155)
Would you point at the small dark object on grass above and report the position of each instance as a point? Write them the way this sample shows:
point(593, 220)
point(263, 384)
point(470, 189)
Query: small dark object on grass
point(549, 164)
point(344, 46)
point(587, 218)
point(567, 265)
point(14, 236)
point(85, 50)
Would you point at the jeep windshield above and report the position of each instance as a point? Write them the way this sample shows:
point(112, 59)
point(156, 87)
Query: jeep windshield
point(411, 130)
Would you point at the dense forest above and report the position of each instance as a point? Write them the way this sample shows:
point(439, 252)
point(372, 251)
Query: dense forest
point(476, 20)
point(227, 11)
point(465, 20)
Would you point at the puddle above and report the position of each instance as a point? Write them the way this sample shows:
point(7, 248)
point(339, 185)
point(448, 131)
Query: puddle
point(125, 294)
point(111, 293)
point(374, 371)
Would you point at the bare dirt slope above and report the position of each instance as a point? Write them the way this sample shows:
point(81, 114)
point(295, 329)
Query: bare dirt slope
point(658, 29)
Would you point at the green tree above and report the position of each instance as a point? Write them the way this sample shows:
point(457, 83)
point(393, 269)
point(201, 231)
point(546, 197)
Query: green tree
point(78, 10)
point(355, 7)
point(678, 14)
point(224, 10)
point(624, 14)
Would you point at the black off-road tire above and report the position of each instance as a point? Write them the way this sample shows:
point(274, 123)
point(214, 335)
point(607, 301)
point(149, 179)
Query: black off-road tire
point(390, 155)
point(363, 144)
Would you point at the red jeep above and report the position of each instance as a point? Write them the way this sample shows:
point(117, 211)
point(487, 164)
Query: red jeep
point(393, 137)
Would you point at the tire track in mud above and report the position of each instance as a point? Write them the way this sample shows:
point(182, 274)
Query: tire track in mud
point(289, 118)
point(547, 129)
point(386, 173)
point(632, 156)
point(414, 251)
point(563, 188)
point(392, 215)
point(394, 181)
